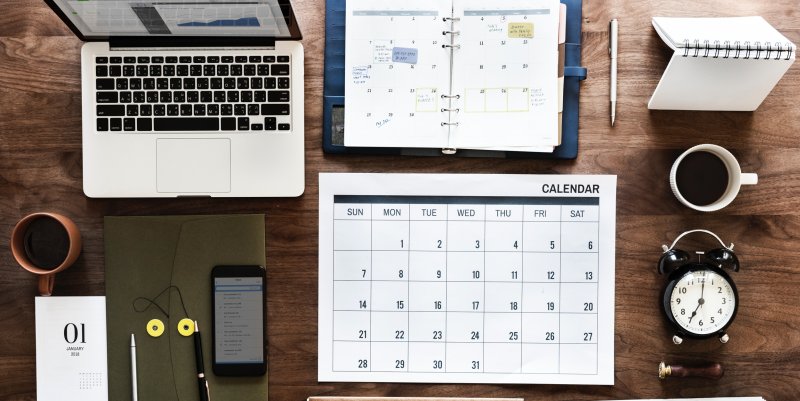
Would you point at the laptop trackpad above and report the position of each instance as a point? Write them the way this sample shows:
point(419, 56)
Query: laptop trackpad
point(189, 166)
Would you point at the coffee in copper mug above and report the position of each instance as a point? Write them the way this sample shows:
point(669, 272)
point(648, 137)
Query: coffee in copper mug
point(45, 244)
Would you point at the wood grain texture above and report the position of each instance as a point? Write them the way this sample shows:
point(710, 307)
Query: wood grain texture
point(40, 169)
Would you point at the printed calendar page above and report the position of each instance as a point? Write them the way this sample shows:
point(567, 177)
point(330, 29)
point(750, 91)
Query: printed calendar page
point(455, 74)
point(467, 278)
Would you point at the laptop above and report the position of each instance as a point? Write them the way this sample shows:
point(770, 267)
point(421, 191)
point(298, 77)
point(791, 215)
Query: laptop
point(190, 97)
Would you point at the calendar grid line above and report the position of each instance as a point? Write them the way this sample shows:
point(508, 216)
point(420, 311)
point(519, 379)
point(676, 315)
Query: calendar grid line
point(473, 312)
point(487, 220)
point(597, 321)
point(446, 279)
point(467, 220)
point(463, 372)
point(521, 297)
point(483, 327)
point(430, 251)
point(464, 342)
point(408, 294)
point(472, 281)
point(369, 336)
point(560, 270)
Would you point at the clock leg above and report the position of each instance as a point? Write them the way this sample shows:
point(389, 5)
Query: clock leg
point(723, 338)
point(677, 340)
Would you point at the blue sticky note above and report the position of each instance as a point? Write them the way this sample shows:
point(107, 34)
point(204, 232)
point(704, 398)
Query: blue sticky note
point(404, 55)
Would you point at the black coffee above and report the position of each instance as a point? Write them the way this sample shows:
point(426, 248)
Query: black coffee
point(702, 178)
point(46, 243)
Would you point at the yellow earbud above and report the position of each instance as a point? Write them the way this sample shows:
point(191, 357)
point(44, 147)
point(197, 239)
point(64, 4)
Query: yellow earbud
point(155, 328)
point(186, 327)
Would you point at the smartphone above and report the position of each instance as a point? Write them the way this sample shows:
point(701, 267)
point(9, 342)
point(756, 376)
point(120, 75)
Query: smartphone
point(239, 346)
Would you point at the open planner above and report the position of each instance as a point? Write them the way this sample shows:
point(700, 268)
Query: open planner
point(452, 74)
point(728, 64)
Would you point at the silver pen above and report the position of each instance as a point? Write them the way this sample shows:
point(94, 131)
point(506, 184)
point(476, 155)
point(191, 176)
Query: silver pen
point(135, 391)
point(613, 33)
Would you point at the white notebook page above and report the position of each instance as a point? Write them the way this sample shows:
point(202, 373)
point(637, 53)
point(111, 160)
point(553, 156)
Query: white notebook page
point(724, 79)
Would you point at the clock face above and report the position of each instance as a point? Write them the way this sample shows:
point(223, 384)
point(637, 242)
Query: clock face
point(702, 302)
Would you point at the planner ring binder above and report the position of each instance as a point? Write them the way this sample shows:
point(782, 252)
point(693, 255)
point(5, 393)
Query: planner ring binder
point(336, 78)
point(738, 50)
point(450, 108)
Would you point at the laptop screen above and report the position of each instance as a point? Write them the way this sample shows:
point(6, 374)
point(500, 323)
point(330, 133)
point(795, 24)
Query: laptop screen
point(99, 19)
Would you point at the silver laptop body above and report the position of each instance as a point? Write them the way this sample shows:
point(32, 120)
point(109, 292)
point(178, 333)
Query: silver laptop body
point(190, 97)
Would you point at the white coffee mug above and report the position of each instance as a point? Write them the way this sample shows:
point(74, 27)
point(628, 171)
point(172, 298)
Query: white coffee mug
point(735, 177)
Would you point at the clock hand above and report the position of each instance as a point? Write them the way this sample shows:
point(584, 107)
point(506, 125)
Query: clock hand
point(701, 301)
point(694, 312)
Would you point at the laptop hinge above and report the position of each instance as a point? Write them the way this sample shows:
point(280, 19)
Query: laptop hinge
point(128, 42)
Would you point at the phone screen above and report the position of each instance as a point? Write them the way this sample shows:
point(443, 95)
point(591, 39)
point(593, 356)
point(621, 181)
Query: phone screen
point(238, 320)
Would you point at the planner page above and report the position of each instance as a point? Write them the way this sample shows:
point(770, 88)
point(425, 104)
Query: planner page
point(505, 71)
point(396, 70)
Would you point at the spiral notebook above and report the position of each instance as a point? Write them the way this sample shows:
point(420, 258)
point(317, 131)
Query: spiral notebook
point(728, 64)
point(452, 74)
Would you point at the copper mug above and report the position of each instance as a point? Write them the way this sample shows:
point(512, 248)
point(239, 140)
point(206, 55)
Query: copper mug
point(45, 244)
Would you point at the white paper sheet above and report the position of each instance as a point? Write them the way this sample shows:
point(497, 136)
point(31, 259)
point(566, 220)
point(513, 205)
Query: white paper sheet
point(71, 362)
point(461, 278)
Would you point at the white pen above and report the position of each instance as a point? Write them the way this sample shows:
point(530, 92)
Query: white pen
point(613, 31)
point(135, 391)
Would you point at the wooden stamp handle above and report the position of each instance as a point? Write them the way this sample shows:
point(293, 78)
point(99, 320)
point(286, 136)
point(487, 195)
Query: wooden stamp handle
point(710, 371)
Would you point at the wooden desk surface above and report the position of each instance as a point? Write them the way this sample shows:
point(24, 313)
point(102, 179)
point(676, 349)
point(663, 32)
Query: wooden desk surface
point(40, 169)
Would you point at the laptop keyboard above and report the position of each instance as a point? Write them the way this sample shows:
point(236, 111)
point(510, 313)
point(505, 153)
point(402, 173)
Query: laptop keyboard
point(193, 93)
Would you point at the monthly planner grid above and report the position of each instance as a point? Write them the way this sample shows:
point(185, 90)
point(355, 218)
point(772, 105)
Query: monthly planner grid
point(397, 312)
point(441, 74)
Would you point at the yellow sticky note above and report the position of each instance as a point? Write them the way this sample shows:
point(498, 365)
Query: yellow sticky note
point(520, 29)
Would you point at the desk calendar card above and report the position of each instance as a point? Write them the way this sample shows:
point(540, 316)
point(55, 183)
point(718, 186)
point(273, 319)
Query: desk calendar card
point(452, 74)
point(463, 278)
point(71, 361)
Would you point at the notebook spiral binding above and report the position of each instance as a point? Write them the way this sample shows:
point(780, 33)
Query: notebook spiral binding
point(737, 49)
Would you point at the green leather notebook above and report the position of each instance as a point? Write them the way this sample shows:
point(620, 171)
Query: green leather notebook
point(146, 255)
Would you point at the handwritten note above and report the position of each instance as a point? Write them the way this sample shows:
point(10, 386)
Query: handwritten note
point(381, 54)
point(426, 100)
point(520, 29)
point(404, 55)
point(494, 28)
point(538, 98)
point(361, 74)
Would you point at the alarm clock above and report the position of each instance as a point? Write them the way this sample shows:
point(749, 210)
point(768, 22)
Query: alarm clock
point(700, 299)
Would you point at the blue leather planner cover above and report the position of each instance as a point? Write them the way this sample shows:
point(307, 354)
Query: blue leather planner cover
point(333, 103)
